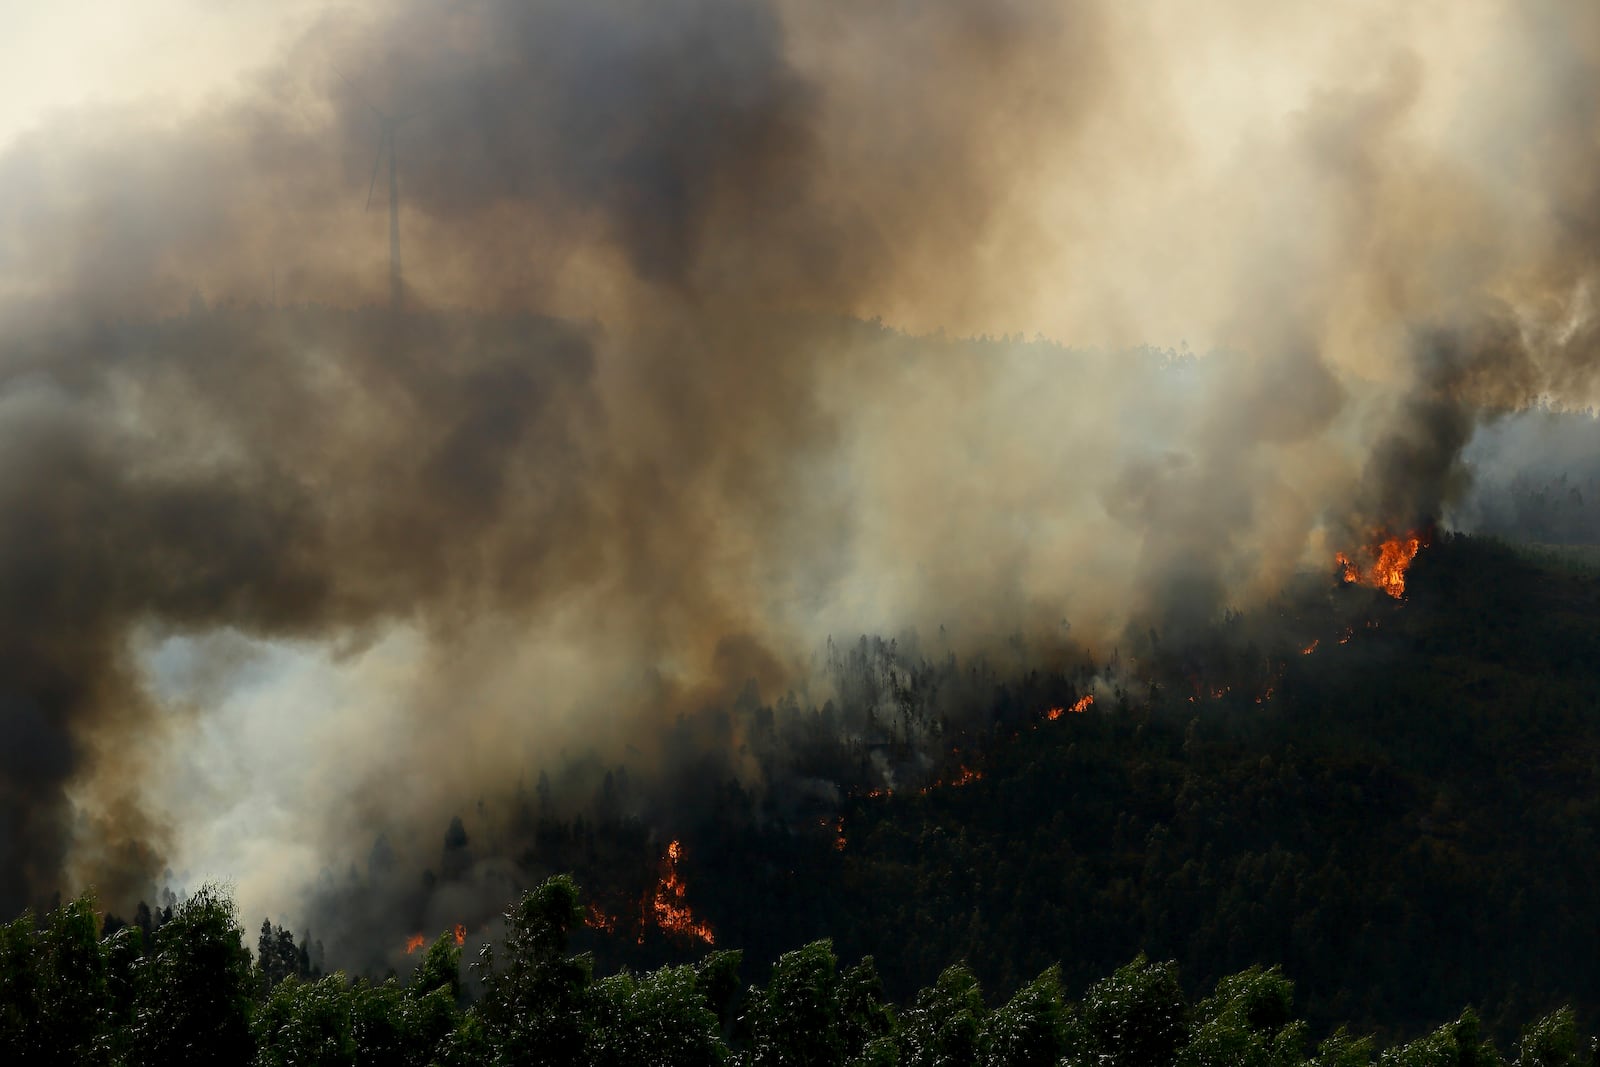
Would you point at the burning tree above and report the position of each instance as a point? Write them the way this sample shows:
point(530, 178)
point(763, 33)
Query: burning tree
point(1383, 564)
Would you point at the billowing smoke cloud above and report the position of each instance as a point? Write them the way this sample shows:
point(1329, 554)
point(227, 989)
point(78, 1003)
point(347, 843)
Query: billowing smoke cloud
point(631, 447)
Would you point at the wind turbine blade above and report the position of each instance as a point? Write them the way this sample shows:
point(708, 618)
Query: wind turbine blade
point(377, 157)
point(361, 95)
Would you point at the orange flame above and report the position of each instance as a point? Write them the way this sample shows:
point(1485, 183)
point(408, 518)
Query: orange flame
point(1312, 647)
point(416, 941)
point(1083, 705)
point(668, 906)
point(838, 829)
point(966, 777)
point(1387, 563)
point(595, 919)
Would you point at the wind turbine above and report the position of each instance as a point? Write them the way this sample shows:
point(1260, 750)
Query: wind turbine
point(387, 125)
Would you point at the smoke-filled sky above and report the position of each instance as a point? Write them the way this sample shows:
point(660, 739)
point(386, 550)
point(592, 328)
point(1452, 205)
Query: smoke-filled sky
point(281, 570)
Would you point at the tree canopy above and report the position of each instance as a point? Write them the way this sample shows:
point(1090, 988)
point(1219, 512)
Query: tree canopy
point(193, 995)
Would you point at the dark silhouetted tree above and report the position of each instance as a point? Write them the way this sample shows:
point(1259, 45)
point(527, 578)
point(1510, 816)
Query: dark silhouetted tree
point(532, 1011)
point(193, 997)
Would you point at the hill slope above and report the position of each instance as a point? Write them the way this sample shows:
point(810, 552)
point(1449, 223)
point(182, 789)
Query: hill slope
point(1406, 826)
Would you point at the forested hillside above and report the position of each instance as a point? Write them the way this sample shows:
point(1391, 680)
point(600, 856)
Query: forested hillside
point(189, 995)
point(1405, 818)
point(1391, 804)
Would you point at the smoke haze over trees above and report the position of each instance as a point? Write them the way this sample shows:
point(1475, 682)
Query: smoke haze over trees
point(289, 579)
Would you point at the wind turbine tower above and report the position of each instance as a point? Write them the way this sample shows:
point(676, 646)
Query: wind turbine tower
point(396, 290)
point(387, 125)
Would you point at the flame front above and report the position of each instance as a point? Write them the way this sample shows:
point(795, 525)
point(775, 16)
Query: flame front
point(966, 777)
point(1083, 704)
point(416, 941)
point(1388, 561)
point(667, 904)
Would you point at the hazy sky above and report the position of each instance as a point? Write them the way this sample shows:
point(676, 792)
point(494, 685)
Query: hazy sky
point(70, 53)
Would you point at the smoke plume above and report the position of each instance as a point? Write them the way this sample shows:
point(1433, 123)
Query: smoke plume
point(712, 346)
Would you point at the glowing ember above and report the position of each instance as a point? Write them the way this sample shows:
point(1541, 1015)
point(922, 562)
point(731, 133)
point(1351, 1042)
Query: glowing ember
point(460, 934)
point(1383, 565)
point(595, 919)
point(1312, 647)
point(413, 943)
point(838, 829)
point(1083, 705)
point(667, 905)
point(966, 777)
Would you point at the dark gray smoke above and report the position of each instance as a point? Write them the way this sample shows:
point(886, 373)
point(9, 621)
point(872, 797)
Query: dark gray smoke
point(302, 472)
point(630, 452)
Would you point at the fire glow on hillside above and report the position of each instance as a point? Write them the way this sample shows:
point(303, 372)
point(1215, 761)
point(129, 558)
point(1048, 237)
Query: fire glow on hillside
point(416, 941)
point(1083, 704)
point(666, 903)
point(1383, 565)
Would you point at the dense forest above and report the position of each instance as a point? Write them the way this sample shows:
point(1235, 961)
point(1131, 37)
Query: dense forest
point(1401, 810)
point(1391, 802)
point(188, 993)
